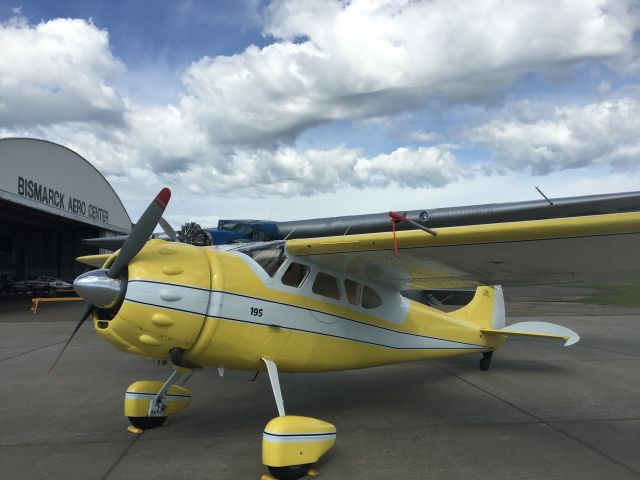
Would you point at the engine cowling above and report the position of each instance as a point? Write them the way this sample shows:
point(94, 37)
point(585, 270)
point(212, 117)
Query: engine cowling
point(165, 304)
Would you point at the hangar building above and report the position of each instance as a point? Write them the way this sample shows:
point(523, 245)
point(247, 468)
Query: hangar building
point(50, 199)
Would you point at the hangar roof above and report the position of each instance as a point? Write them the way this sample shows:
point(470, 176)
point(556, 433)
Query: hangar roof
point(49, 177)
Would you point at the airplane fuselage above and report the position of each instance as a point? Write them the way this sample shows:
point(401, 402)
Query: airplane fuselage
point(225, 308)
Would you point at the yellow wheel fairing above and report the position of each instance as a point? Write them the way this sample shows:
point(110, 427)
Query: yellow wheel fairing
point(140, 394)
point(292, 440)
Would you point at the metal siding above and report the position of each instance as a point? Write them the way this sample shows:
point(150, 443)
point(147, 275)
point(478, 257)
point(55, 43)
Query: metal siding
point(59, 168)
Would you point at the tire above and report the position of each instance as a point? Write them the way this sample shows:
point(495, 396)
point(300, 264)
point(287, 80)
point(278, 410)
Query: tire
point(145, 423)
point(293, 472)
point(485, 364)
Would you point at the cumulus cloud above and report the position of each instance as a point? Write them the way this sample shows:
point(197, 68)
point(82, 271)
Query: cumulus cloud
point(235, 124)
point(290, 172)
point(56, 71)
point(543, 138)
point(417, 168)
point(368, 58)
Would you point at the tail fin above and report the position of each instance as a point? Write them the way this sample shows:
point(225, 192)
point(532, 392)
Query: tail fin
point(486, 309)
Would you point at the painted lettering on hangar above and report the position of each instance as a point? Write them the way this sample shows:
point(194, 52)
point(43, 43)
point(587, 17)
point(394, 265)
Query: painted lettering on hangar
point(49, 196)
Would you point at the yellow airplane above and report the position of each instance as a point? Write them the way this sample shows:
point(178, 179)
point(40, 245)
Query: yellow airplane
point(331, 303)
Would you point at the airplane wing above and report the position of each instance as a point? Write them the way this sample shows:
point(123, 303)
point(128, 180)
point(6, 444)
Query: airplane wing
point(94, 260)
point(589, 250)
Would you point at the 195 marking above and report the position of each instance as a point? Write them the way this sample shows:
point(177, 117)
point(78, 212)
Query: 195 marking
point(256, 312)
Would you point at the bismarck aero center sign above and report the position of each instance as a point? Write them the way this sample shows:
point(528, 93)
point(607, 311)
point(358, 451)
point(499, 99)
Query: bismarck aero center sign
point(52, 178)
point(49, 196)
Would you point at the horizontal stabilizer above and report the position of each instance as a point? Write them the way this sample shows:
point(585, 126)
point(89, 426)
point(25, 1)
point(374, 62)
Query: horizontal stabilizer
point(94, 260)
point(537, 329)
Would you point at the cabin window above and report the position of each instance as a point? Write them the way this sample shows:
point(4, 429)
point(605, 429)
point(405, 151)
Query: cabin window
point(295, 274)
point(269, 258)
point(326, 285)
point(370, 298)
point(352, 290)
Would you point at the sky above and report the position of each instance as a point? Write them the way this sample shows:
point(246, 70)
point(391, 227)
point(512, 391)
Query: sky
point(296, 109)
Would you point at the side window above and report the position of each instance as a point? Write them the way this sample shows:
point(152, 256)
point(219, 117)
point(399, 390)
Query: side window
point(353, 290)
point(295, 274)
point(326, 285)
point(370, 298)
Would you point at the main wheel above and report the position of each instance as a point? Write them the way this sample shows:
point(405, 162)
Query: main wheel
point(145, 423)
point(485, 361)
point(485, 364)
point(293, 472)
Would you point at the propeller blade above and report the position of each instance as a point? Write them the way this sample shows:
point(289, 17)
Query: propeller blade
point(168, 229)
point(141, 232)
point(87, 313)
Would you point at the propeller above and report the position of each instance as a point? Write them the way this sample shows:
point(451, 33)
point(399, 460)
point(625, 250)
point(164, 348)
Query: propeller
point(141, 232)
point(104, 288)
point(87, 313)
point(168, 229)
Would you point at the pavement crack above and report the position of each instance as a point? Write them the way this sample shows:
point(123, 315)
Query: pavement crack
point(121, 456)
point(42, 347)
point(593, 420)
point(543, 422)
point(593, 449)
point(491, 394)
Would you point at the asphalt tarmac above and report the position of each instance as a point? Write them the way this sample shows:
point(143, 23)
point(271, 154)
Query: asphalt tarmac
point(541, 412)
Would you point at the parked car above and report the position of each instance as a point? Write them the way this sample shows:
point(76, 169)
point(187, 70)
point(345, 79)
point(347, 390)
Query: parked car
point(42, 284)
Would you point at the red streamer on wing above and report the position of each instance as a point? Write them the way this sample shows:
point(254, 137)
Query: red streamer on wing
point(396, 217)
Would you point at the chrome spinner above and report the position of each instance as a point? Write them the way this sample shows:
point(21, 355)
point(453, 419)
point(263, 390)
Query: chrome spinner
point(99, 289)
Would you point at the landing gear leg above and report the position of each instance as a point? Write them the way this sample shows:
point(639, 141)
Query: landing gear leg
point(272, 370)
point(158, 405)
point(485, 361)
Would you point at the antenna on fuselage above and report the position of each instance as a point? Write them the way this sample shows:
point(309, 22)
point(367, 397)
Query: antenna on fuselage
point(545, 197)
point(290, 233)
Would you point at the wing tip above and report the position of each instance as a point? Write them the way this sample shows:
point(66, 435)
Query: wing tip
point(572, 339)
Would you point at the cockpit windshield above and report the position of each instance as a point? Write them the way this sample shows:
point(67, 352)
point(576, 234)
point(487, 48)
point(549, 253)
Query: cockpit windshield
point(269, 256)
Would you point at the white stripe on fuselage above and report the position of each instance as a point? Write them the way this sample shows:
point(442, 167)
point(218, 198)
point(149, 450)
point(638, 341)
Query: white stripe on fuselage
point(259, 311)
point(167, 295)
